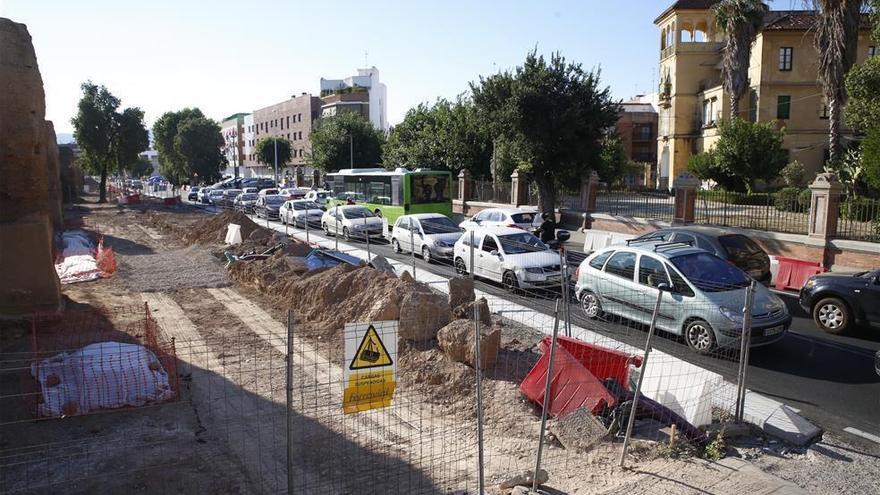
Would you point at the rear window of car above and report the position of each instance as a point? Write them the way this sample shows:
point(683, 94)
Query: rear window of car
point(599, 261)
point(738, 246)
point(523, 217)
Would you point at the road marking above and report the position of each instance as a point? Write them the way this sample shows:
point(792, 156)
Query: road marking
point(859, 433)
point(840, 347)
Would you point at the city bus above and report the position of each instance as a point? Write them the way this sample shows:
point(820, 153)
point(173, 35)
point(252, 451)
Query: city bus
point(392, 193)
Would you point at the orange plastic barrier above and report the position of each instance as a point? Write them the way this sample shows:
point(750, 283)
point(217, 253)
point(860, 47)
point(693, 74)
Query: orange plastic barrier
point(794, 272)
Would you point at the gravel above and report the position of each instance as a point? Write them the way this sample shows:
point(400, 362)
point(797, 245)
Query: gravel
point(187, 268)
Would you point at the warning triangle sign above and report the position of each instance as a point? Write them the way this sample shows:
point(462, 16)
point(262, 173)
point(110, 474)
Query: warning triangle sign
point(371, 353)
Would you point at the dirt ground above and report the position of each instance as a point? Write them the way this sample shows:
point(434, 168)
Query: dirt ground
point(226, 432)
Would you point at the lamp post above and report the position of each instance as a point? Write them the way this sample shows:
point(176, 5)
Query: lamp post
point(351, 151)
point(275, 140)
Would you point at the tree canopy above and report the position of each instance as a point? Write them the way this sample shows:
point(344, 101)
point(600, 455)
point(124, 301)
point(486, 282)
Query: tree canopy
point(554, 112)
point(745, 153)
point(189, 146)
point(444, 136)
point(739, 20)
point(110, 140)
point(344, 139)
point(268, 146)
point(141, 168)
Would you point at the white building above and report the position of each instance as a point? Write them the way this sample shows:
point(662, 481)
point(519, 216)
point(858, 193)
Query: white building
point(362, 93)
point(249, 148)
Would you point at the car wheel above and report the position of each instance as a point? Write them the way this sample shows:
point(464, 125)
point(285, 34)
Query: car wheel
point(699, 336)
point(326, 230)
point(346, 234)
point(460, 267)
point(395, 245)
point(510, 282)
point(591, 305)
point(426, 255)
point(831, 315)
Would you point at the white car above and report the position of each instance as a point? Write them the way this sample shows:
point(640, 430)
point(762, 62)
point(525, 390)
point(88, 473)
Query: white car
point(351, 221)
point(268, 191)
point(215, 197)
point(294, 192)
point(430, 234)
point(320, 197)
point(516, 259)
point(300, 211)
point(250, 190)
point(519, 218)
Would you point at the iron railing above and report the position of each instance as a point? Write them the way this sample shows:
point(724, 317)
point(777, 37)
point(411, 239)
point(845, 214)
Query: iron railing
point(652, 204)
point(859, 219)
point(487, 191)
point(763, 211)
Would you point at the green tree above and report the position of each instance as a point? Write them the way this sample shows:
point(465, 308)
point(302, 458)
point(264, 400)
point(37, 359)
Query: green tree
point(745, 152)
point(93, 130)
point(794, 174)
point(199, 142)
point(140, 168)
point(344, 140)
point(130, 138)
point(614, 165)
point(172, 166)
point(739, 20)
point(863, 95)
point(268, 146)
point(444, 136)
point(871, 159)
point(555, 112)
point(835, 40)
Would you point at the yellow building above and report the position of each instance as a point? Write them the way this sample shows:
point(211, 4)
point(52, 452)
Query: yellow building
point(782, 80)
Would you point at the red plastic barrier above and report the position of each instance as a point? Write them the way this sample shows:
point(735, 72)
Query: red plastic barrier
point(794, 272)
point(169, 201)
point(572, 386)
point(602, 362)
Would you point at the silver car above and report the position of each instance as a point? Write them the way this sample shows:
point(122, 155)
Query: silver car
point(704, 302)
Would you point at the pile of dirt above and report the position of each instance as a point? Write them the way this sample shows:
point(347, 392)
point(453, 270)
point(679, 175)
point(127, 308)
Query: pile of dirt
point(443, 381)
point(264, 275)
point(214, 229)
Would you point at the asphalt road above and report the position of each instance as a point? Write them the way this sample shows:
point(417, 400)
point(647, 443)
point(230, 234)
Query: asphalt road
point(829, 379)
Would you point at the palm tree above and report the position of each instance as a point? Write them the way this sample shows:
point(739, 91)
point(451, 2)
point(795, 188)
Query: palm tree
point(837, 31)
point(739, 20)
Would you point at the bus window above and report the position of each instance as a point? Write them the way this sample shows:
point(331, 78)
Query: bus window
point(429, 189)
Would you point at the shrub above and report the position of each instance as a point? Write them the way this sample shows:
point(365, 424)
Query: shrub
point(735, 198)
point(860, 209)
point(794, 174)
point(805, 198)
point(788, 199)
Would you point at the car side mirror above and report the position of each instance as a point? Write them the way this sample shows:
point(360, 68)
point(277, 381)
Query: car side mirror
point(665, 287)
point(494, 252)
point(323, 208)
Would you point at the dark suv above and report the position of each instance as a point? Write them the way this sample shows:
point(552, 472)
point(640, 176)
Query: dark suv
point(728, 245)
point(840, 301)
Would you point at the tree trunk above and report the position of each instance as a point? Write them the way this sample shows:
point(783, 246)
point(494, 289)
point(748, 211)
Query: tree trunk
point(833, 128)
point(102, 197)
point(734, 106)
point(546, 193)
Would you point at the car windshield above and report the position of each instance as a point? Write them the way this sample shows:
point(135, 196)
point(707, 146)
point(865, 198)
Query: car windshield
point(523, 217)
point(216, 192)
point(438, 225)
point(710, 273)
point(521, 243)
point(357, 213)
point(233, 192)
point(872, 274)
point(248, 197)
point(275, 200)
point(305, 205)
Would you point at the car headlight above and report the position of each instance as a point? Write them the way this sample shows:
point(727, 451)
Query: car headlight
point(439, 243)
point(536, 269)
point(810, 283)
point(734, 315)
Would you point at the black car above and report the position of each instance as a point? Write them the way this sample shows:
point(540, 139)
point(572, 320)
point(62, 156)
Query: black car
point(193, 195)
point(728, 245)
point(840, 301)
point(267, 206)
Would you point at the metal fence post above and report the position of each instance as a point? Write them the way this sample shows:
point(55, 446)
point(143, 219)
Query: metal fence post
point(306, 221)
point(336, 232)
point(367, 235)
point(472, 256)
point(635, 402)
point(547, 398)
point(478, 369)
point(290, 446)
point(412, 247)
point(564, 287)
point(745, 345)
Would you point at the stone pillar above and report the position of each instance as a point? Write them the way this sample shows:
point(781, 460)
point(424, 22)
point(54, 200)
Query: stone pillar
point(685, 185)
point(824, 206)
point(299, 176)
point(316, 179)
point(519, 189)
point(464, 185)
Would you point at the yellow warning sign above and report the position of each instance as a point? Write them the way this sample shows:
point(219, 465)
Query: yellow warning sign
point(369, 376)
point(371, 353)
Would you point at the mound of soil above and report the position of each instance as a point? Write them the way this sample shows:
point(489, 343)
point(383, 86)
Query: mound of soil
point(214, 230)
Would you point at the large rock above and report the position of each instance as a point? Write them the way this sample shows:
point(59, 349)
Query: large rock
point(382, 264)
point(461, 291)
point(525, 479)
point(422, 314)
point(466, 310)
point(457, 341)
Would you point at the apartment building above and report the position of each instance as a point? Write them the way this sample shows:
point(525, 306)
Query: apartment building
point(291, 119)
point(782, 85)
point(637, 128)
point(232, 130)
point(363, 93)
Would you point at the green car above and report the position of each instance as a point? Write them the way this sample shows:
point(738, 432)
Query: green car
point(703, 300)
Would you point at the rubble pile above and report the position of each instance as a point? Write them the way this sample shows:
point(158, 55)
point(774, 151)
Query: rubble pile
point(213, 231)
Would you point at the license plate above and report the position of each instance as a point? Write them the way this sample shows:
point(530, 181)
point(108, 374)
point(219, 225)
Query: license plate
point(774, 331)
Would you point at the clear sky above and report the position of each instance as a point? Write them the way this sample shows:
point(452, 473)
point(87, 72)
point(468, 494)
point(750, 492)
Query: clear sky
point(234, 56)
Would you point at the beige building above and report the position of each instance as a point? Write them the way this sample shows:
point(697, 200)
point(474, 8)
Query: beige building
point(291, 119)
point(782, 81)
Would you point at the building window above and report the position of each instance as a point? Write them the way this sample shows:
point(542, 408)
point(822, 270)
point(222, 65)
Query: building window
point(872, 50)
point(300, 134)
point(288, 136)
point(785, 58)
point(708, 119)
point(288, 121)
point(783, 107)
point(300, 117)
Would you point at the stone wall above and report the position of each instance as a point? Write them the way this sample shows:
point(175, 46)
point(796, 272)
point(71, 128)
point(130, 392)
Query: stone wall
point(30, 205)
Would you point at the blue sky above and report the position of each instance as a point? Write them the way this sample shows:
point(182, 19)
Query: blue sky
point(231, 56)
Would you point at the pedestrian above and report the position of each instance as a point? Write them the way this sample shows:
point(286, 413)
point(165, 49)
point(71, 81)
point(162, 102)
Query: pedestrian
point(349, 201)
point(547, 230)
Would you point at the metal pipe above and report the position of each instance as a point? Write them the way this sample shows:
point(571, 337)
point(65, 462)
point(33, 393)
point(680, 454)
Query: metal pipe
point(472, 255)
point(412, 246)
point(479, 372)
point(547, 398)
point(745, 345)
point(290, 444)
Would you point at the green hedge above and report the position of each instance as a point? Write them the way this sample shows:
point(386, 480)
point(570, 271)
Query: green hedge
point(792, 199)
point(736, 198)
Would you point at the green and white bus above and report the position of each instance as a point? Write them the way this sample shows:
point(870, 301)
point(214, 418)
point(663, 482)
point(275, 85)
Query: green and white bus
point(392, 193)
